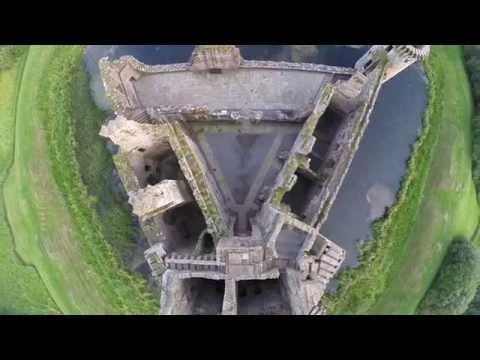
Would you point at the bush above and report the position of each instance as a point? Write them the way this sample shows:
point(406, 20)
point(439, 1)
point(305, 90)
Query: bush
point(472, 62)
point(456, 283)
point(9, 54)
point(474, 307)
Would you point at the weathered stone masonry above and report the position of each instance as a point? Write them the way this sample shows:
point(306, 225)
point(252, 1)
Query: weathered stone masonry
point(232, 167)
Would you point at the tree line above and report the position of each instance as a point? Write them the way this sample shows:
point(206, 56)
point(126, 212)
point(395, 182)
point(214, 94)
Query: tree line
point(472, 63)
point(456, 282)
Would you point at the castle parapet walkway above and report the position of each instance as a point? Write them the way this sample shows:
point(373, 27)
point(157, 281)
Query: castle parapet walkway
point(202, 263)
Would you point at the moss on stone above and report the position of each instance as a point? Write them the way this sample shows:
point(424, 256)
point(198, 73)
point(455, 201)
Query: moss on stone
point(198, 180)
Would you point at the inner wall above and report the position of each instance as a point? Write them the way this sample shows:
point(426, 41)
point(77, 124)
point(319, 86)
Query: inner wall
point(381, 160)
point(262, 297)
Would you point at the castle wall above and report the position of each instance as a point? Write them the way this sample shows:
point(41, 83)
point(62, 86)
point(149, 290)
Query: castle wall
point(284, 256)
point(178, 295)
point(301, 296)
point(230, 300)
point(341, 154)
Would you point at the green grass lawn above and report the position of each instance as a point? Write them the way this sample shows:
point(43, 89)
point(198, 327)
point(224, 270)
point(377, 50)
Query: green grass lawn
point(437, 203)
point(54, 216)
point(21, 288)
point(63, 232)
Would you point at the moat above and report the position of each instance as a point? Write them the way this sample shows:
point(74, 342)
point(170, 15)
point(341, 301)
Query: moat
point(380, 163)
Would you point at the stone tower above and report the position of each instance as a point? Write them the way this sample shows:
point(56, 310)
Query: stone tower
point(399, 57)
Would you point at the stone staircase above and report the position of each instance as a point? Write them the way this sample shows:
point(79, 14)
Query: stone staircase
point(321, 264)
point(155, 263)
point(317, 310)
point(202, 263)
point(140, 116)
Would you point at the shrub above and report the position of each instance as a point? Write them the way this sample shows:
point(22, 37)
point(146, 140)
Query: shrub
point(456, 283)
point(472, 62)
point(474, 307)
point(9, 54)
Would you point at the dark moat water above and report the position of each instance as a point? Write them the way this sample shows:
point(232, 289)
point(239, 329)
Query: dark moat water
point(380, 163)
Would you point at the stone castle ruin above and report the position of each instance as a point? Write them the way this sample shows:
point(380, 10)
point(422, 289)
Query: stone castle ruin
point(232, 167)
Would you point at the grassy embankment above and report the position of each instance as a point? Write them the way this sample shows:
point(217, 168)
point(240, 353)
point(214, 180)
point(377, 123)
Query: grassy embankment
point(21, 288)
point(437, 203)
point(472, 62)
point(60, 223)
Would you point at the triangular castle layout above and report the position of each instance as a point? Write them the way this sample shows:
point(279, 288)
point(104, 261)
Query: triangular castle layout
point(232, 167)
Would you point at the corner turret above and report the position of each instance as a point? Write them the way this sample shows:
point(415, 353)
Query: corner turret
point(399, 57)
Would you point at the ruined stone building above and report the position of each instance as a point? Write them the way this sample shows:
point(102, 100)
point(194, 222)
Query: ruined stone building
point(232, 167)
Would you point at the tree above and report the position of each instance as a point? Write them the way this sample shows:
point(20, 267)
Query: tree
point(456, 283)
